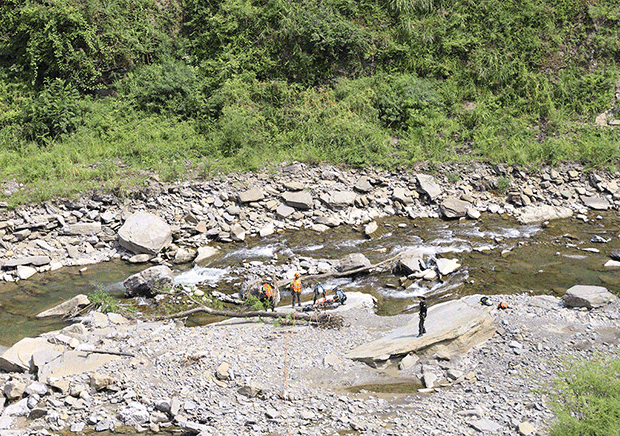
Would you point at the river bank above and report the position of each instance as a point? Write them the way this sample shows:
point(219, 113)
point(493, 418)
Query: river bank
point(253, 377)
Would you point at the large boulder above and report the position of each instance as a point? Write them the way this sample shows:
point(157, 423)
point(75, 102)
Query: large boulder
point(66, 307)
point(454, 208)
point(410, 262)
point(353, 261)
point(588, 296)
point(144, 232)
point(429, 186)
point(149, 282)
point(18, 357)
point(535, 214)
point(453, 328)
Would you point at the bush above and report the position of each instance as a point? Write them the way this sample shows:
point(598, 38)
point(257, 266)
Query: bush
point(586, 398)
point(57, 110)
point(168, 87)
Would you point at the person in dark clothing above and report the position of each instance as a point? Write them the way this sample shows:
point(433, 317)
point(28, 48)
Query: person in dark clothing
point(423, 310)
point(318, 290)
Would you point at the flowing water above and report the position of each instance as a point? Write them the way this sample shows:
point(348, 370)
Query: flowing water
point(498, 256)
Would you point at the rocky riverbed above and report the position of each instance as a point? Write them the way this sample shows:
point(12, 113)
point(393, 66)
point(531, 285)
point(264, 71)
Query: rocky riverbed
point(257, 377)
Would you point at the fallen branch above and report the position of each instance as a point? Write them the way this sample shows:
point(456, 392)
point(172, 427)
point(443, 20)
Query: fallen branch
point(321, 318)
point(116, 353)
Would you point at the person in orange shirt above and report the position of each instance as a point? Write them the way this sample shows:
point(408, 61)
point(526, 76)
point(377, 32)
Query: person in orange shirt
point(296, 289)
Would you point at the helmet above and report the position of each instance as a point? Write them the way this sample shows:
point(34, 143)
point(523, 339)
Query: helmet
point(297, 275)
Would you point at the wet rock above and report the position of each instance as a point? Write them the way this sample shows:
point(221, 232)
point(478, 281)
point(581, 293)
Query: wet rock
point(66, 307)
point(149, 282)
point(353, 261)
point(204, 254)
point(533, 214)
point(447, 266)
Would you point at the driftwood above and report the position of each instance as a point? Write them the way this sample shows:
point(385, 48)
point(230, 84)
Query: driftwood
point(323, 319)
point(116, 353)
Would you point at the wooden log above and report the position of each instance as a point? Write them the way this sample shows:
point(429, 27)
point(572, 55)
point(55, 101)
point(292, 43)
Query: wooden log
point(115, 353)
point(304, 316)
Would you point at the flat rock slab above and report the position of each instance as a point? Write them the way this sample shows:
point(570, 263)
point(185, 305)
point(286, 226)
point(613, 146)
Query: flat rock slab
point(452, 328)
point(17, 358)
point(66, 307)
point(74, 362)
point(588, 296)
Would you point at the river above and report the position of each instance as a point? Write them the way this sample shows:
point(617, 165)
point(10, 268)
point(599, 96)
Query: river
point(497, 256)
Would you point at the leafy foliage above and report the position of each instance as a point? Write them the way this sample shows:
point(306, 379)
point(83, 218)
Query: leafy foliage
point(586, 398)
point(120, 88)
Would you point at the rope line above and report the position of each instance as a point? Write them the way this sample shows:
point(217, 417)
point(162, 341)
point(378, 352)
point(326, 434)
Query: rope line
point(285, 383)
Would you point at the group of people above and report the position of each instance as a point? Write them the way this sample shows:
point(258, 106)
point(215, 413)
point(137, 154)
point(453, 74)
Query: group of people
point(268, 291)
point(268, 297)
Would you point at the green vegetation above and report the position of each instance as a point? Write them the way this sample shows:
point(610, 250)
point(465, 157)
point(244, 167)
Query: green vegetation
point(254, 303)
point(103, 301)
point(98, 95)
point(587, 398)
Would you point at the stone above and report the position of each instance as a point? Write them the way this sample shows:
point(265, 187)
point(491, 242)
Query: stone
point(536, 214)
point(14, 389)
point(66, 307)
point(36, 388)
point(74, 362)
point(145, 233)
point(340, 199)
point(408, 362)
point(370, 228)
point(204, 254)
point(299, 200)
point(447, 266)
point(100, 381)
point(485, 425)
point(251, 196)
point(526, 429)
point(184, 255)
point(25, 272)
point(588, 296)
point(363, 185)
point(353, 261)
point(29, 260)
point(284, 211)
point(454, 208)
point(82, 229)
point(402, 195)
point(133, 414)
point(149, 282)
point(222, 371)
point(595, 202)
point(429, 186)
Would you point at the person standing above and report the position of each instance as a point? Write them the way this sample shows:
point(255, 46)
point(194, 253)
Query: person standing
point(269, 295)
point(296, 289)
point(318, 290)
point(423, 310)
